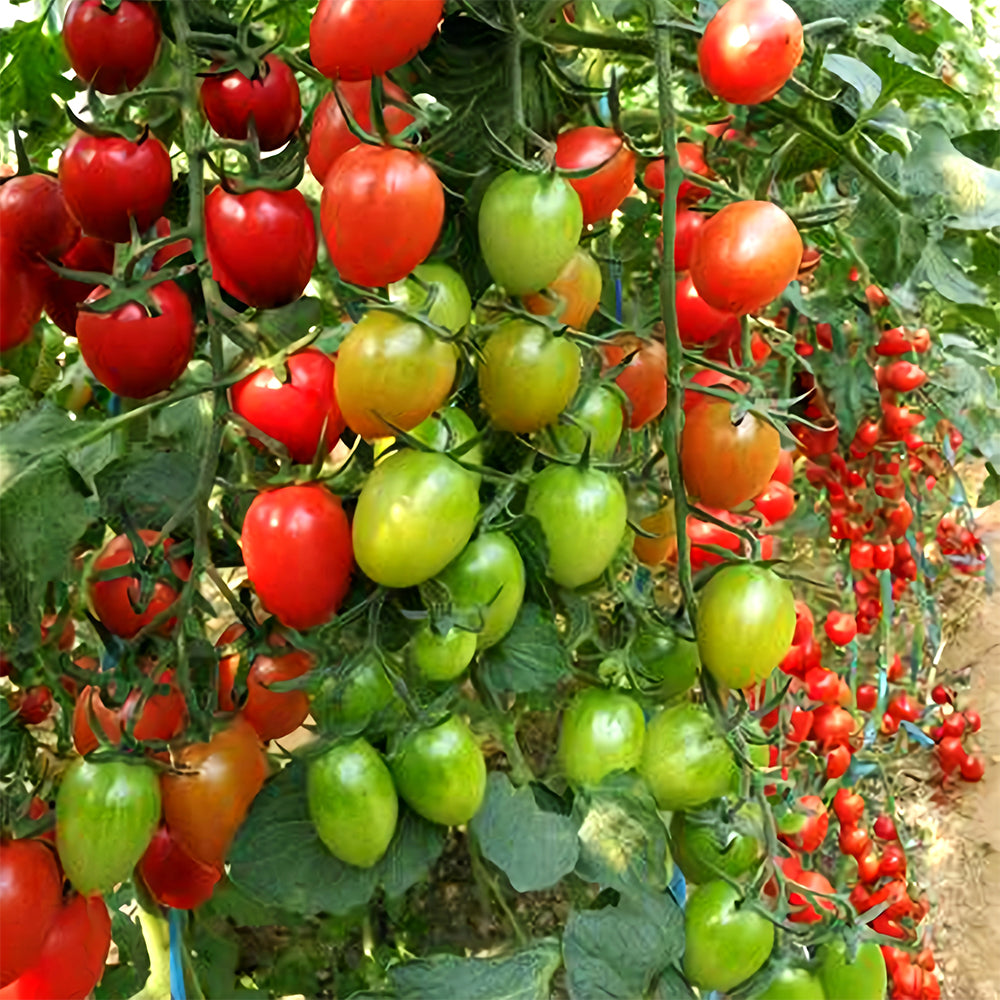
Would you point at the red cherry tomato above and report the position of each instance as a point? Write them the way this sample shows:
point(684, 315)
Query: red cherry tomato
point(35, 217)
point(133, 353)
point(644, 379)
point(697, 321)
point(32, 705)
point(972, 768)
point(172, 876)
point(107, 180)
point(854, 841)
point(903, 376)
point(833, 726)
point(24, 283)
point(974, 721)
point(868, 866)
point(690, 157)
point(800, 725)
point(366, 195)
point(687, 225)
point(867, 697)
point(113, 50)
point(893, 861)
point(848, 806)
point(951, 753)
point(749, 50)
point(785, 471)
point(776, 502)
point(805, 827)
point(893, 342)
point(840, 627)
point(823, 685)
point(838, 760)
point(63, 296)
point(297, 550)
point(230, 99)
point(607, 187)
point(167, 253)
point(885, 828)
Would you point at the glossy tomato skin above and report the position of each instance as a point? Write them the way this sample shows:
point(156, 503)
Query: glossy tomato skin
point(72, 959)
point(697, 321)
point(441, 774)
point(776, 502)
point(583, 515)
point(602, 731)
point(529, 226)
point(864, 978)
point(173, 877)
point(391, 372)
point(273, 714)
point(749, 50)
point(604, 190)
point(134, 354)
point(690, 156)
point(452, 304)
point(448, 429)
point(352, 802)
point(207, 798)
point(355, 696)
point(723, 944)
point(112, 600)
point(644, 378)
point(63, 296)
point(106, 815)
point(687, 225)
point(297, 550)
point(24, 283)
point(229, 99)
point(359, 39)
point(440, 658)
point(686, 761)
point(331, 137)
point(701, 855)
point(725, 464)
point(527, 376)
point(30, 898)
point(665, 659)
point(573, 296)
point(756, 605)
point(367, 194)
point(299, 412)
point(35, 217)
point(416, 513)
point(599, 417)
point(792, 983)
point(239, 226)
point(107, 180)
point(488, 573)
point(113, 51)
point(745, 255)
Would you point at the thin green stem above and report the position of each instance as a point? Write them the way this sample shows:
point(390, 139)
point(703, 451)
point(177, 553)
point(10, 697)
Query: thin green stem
point(673, 420)
point(516, 83)
point(156, 934)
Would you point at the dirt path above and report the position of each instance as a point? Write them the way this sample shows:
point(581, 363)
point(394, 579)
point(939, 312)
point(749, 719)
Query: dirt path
point(964, 858)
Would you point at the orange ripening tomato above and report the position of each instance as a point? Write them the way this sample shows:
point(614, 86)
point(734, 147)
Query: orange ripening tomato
point(644, 378)
point(574, 296)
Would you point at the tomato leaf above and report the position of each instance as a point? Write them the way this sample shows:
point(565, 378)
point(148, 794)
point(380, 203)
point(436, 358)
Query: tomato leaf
point(532, 847)
point(617, 951)
point(146, 487)
point(671, 985)
point(530, 657)
point(415, 846)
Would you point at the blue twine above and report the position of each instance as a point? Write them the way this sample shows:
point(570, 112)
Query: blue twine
point(678, 887)
point(114, 405)
point(177, 991)
point(618, 297)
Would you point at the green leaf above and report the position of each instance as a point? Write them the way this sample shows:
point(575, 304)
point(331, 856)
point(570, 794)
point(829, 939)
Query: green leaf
point(415, 846)
point(982, 146)
point(530, 657)
point(899, 80)
point(672, 986)
point(533, 848)
point(935, 270)
point(146, 488)
point(850, 10)
point(525, 975)
point(615, 953)
point(990, 492)
point(855, 73)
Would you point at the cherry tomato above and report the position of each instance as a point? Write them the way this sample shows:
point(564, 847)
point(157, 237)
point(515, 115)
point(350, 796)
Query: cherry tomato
point(172, 876)
point(527, 376)
point(352, 802)
point(775, 502)
point(749, 50)
point(207, 797)
point(119, 799)
point(838, 760)
point(271, 97)
point(447, 430)
point(644, 378)
point(687, 225)
point(972, 768)
point(113, 50)
point(665, 659)
point(273, 714)
point(727, 463)
point(700, 323)
point(441, 658)
point(602, 731)
point(854, 841)
point(840, 627)
point(597, 416)
point(573, 296)
point(903, 376)
point(35, 217)
point(367, 194)
point(583, 514)
point(867, 697)
point(107, 180)
point(354, 697)
point(297, 550)
point(848, 806)
point(358, 39)
point(133, 353)
point(803, 910)
point(298, 413)
point(792, 983)
point(451, 306)
point(862, 977)
point(691, 157)
point(114, 601)
point(745, 255)
point(529, 225)
point(805, 827)
point(440, 773)
point(607, 187)
point(63, 296)
point(24, 284)
point(331, 137)
point(833, 726)
point(416, 513)
point(30, 899)
point(703, 851)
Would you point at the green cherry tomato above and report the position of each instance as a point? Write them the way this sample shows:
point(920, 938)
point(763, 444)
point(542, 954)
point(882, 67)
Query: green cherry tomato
point(106, 815)
point(598, 416)
point(686, 761)
point(862, 979)
point(665, 659)
point(702, 851)
point(583, 515)
point(746, 620)
point(354, 697)
point(452, 305)
point(447, 429)
point(602, 731)
point(529, 226)
point(442, 657)
point(488, 574)
point(415, 513)
point(724, 944)
point(352, 802)
point(793, 983)
point(527, 376)
point(441, 774)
